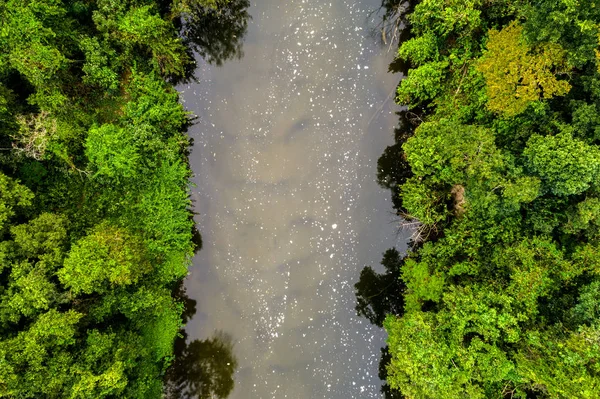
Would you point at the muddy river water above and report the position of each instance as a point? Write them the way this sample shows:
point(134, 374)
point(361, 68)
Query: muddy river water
point(284, 159)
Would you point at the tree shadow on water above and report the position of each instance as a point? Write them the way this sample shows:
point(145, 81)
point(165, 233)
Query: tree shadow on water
point(216, 34)
point(213, 29)
point(202, 369)
point(378, 295)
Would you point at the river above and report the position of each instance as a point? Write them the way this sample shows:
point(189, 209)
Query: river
point(284, 159)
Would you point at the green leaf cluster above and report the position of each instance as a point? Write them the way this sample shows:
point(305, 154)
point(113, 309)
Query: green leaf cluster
point(499, 180)
point(95, 218)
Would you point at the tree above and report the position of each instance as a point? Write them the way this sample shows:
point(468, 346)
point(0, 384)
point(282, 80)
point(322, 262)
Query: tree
point(499, 292)
point(12, 197)
point(113, 151)
point(106, 258)
point(566, 165)
point(516, 75)
point(36, 360)
point(95, 227)
point(445, 151)
point(572, 25)
point(36, 253)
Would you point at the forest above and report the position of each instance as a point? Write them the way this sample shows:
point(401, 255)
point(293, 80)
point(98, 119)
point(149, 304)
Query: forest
point(96, 229)
point(496, 173)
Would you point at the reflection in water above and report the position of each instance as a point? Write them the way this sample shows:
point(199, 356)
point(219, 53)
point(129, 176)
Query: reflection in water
point(202, 369)
point(392, 167)
point(196, 239)
point(216, 34)
point(393, 20)
point(378, 295)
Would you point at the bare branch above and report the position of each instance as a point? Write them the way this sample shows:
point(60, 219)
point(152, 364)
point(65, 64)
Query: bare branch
point(35, 131)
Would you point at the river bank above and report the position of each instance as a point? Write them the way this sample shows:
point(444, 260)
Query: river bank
point(496, 176)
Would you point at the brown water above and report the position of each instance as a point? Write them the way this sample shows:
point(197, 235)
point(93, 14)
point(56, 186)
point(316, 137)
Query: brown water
point(285, 153)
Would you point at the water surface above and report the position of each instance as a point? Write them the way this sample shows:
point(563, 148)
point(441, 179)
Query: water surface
point(285, 154)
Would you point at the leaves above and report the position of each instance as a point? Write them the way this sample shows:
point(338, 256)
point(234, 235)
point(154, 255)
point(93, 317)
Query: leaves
point(500, 295)
point(515, 75)
point(12, 197)
point(567, 165)
point(106, 258)
point(113, 151)
point(95, 223)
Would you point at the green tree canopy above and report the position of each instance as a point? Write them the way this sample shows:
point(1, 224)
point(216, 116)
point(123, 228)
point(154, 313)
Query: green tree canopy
point(497, 176)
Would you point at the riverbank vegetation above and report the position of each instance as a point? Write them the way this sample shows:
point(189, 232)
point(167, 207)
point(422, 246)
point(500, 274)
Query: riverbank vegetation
point(95, 222)
point(496, 170)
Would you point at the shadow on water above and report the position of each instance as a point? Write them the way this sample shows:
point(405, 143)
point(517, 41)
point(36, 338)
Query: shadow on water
point(196, 239)
point(202, 369)
point(380, 294)
point(394, 28)
point(216, 34)
point(392, 168)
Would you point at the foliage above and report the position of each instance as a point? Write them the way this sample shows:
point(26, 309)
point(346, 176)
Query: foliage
point(515, 77)
point(567, 165)
point(12, 195)
point(106, 258)
point(95, 222)
point(498, 294)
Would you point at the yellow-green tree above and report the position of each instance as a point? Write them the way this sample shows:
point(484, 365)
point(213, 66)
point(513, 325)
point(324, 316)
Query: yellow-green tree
point(517, 74)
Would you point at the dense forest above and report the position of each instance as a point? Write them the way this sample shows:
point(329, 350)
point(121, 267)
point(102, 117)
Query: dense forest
point(496, 170)
point(96, 231)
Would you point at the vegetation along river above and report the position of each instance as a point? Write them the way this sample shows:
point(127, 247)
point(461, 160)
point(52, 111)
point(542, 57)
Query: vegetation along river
point(233, 235)
point(284, 159)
